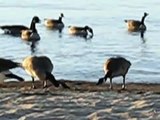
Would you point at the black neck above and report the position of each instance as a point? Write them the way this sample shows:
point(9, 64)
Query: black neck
point(33, 26)
point(52, 79)
point(60, 19)
point(143, 18)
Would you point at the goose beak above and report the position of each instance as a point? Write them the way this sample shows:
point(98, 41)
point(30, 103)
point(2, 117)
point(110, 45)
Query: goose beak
point(39, 21)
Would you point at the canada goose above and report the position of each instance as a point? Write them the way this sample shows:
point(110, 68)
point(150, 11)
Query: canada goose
point(41, 67)
point(29, 35)
point(115, 67)
point(5, 66)
point(55, 23)
point(80, 31)
point(15, 30)
point(135, 25)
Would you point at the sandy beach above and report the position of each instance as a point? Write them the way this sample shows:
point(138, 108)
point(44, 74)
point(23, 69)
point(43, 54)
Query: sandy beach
point(83, 101)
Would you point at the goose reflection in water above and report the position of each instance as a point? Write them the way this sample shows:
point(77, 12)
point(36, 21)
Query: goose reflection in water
point(33, 46)
point(141, 34)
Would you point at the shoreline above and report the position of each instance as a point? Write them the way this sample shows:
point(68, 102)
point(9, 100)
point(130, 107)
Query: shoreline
point(85, 86)
point(83, 101)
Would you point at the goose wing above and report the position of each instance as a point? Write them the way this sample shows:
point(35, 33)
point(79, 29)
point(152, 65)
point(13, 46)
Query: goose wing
point(133, 23)
point(13, 29)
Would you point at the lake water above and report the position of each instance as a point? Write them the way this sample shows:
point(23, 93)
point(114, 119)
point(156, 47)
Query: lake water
point(75, 58)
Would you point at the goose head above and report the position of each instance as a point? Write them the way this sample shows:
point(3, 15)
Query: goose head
point(89, 29)
point(36, 19)
point(61, 16)
point(146, 14)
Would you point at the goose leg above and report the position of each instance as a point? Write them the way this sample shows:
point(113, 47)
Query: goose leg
point(123, 86)
point(45, 84)
point(60, 30)
point(105, 77)
point(110, 87)
point(108, 74)
point(33, 86)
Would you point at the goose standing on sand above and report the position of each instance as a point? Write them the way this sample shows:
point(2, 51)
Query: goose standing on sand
point(80, 31)
point(41, 67)
point(56, 24)
point(5, 66)
point(115, 67)
point(15, 30)
point(135, 25)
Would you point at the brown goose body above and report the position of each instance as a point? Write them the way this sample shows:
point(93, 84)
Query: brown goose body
point(80, 31)
point(28, 35)
point(15, 30)
point(54, 23)
point(136, 25)
point(115, 67)
point(40, 67)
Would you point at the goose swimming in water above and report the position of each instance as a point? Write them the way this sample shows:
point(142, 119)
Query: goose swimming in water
point(30, 35)
point(5, 66)
point(56, 24)
point(115, 67)
point(136, 25)
point(15, 30)
point(80, 31)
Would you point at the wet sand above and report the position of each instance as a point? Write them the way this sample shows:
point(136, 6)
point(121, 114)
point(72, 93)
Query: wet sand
point(83, 101)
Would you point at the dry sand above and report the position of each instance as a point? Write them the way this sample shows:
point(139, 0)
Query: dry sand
point(84, 101)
